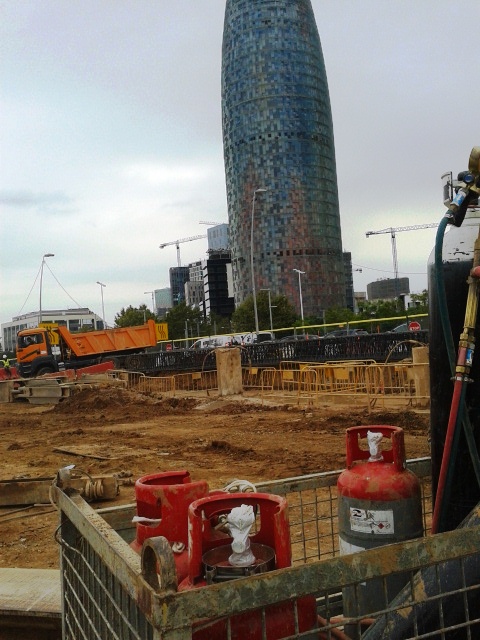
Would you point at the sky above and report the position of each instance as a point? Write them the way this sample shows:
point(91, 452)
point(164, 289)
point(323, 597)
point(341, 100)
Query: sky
point(111, 139)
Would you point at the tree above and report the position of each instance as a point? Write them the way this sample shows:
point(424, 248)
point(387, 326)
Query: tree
point(338, 314)
point(374, 310)
point(283, 313)
point(133, 316)
point(183, 318)
point(420, 302)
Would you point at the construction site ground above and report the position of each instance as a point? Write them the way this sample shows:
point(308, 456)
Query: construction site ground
point(114, 430)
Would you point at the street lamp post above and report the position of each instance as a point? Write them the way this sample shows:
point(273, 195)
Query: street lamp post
point(300, 274)
point(269, 308)
point(255, 310)
point(152, 293)
point(45, 255)
point(103, 306)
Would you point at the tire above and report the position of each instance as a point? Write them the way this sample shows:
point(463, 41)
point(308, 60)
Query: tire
point(133, 362)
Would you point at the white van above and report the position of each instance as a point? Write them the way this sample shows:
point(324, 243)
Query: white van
point(213, 342)
point(263, 336)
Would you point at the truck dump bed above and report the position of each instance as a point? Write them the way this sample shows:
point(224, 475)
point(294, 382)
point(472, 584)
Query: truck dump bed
point(110, 340)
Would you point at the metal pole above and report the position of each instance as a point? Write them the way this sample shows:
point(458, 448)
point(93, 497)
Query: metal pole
point(153, 300)
point(255, 310)
point(45, 255)
point(300, 274)
point(269, 308)
point(103, 306)
point(301, 297)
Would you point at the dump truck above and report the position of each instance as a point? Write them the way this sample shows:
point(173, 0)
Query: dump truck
point(51, 349)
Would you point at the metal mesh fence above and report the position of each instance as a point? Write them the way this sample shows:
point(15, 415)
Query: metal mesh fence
point(111, 592)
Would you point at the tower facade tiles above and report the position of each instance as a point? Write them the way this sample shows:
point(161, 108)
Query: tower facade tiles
point(278, 135)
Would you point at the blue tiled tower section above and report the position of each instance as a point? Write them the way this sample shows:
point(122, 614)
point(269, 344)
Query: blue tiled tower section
point(278, 135)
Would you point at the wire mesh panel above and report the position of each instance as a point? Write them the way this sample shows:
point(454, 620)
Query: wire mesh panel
point(108, 593)
point(313, 513)
point(96, 605)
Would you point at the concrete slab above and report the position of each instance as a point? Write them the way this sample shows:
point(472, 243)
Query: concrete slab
point(30, 593)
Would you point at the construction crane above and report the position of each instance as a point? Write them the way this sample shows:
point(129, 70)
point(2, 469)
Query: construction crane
point(392, 231)
point(177, 244)
point(211, 224)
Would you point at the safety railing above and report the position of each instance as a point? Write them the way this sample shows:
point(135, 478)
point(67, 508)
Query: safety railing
point(381, 347)
point(196, 381)
point(369, 384)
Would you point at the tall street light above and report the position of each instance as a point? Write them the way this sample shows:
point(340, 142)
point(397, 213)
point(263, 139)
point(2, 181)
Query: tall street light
point(300, 274)
point(255, 310)
point(103, 306)
point(45, 255)
point(152, 293)
point(269, 308)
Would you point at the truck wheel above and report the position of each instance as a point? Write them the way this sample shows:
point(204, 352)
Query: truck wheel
point(43, 370)
point(133, 362)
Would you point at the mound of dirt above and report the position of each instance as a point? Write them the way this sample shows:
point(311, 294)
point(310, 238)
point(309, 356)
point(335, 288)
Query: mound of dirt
point(113, 401)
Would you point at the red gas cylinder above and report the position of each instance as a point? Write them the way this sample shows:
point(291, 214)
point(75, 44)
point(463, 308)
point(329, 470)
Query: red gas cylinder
point(162, 503)
point(209, 549)
point(379, 502)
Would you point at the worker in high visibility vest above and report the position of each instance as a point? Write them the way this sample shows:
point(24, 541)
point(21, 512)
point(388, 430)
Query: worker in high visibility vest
point(6, 365)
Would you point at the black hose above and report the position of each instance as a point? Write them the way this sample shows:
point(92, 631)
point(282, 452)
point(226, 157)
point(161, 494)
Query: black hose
point(441, 293)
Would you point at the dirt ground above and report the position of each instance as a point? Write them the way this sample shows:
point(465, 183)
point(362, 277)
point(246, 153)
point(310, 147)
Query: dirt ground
point(215, 439)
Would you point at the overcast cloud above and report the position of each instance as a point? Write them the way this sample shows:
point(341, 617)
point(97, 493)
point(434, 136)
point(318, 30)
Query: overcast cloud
point(111, 140)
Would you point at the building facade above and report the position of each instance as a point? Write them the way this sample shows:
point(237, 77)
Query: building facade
point(217, 284)
point(278, 136)
point(347, 267)
point(194, 293)
point(217, 237)
point(388, 289)
point(163, 301)
point(178, 277)
point(73, 319)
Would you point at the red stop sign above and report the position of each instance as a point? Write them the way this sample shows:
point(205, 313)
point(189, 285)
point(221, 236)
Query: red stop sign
point(414, 326)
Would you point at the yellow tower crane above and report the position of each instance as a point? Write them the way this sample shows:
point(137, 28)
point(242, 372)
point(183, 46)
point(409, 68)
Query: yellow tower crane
point(177, 244)
point(392, 231)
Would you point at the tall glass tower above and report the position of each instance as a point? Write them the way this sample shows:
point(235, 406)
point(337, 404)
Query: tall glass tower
point(278, 135)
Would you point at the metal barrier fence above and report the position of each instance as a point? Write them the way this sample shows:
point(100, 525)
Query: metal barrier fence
point(111, 592)
point(368, 383)
point(376, 346)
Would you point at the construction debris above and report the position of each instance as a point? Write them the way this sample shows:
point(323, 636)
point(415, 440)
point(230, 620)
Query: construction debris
point(25, 491)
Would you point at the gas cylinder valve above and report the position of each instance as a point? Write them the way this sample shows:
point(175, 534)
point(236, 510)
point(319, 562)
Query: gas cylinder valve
point(374, 438)
point(239, 522)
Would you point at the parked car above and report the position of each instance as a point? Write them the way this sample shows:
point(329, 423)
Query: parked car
point(300, 336)
point(336, 333)
point(213, 342)
point(263, 336)
point(402, 328)
point(407, 326)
